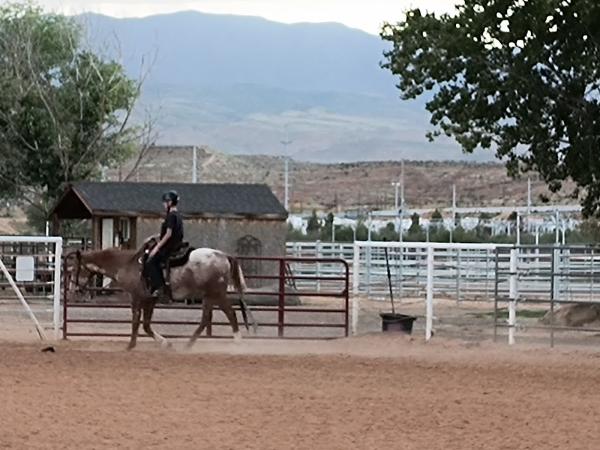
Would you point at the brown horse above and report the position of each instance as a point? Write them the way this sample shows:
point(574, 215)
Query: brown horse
point(206, 275)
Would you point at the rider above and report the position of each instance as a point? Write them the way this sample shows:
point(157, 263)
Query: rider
point(171, 236)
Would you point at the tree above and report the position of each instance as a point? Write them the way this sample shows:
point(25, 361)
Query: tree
point(64, 110)
point(327, 227)
point(437, 220)
point(362, 231)
point(314, 225)
point(344, 233)
point(294, 234)
point(415, 225)
point(388, 233)
point(415, 231)
point(521, 78)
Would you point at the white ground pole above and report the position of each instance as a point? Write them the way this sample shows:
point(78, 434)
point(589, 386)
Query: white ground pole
point(513, 296)
point(57, 241)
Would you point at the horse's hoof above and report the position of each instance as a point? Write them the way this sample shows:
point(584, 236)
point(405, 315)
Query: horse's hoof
point(237, 337)
point(189, 345)
point(130, 347)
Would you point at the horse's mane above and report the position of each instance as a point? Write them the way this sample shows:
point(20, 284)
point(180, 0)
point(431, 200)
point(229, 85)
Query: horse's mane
point(121, 254)
point(113, 253)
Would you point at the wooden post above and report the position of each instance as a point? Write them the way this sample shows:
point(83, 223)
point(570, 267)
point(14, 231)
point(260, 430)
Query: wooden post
point(96, 233)
point(55, 225)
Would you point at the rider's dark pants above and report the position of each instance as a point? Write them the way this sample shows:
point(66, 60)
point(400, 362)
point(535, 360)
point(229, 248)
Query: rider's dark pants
point(154, 269)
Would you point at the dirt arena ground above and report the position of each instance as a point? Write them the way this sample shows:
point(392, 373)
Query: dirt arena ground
point(369, 392)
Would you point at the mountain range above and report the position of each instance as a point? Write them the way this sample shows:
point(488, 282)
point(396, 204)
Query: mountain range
point(245, 84)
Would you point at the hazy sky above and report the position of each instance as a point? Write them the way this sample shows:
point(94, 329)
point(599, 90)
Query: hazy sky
point(364, 14)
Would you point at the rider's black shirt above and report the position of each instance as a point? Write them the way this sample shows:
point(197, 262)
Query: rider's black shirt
point(175, 223)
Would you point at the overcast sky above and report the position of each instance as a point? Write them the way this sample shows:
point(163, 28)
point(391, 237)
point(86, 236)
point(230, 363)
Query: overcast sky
point(367, 15)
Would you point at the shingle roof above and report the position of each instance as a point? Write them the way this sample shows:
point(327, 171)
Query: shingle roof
point(248, 200)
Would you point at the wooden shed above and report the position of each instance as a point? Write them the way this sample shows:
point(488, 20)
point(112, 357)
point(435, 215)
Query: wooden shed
point(242, 219)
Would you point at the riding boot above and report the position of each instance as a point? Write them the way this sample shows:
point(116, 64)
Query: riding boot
point(162, 295)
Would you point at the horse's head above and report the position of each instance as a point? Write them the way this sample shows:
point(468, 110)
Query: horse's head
point(78, 275)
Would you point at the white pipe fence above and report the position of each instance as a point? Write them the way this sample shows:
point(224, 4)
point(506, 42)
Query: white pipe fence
point(491, 272)
point(37, 284)
point(461, 271)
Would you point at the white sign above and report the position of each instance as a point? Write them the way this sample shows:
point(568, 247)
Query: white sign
point(25, 268)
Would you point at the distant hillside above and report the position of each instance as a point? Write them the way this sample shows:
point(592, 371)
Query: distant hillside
point(343, 186)
point(194, 48)
point(244, 84)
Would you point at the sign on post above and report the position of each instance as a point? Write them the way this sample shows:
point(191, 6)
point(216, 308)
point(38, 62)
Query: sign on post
point(25, 268)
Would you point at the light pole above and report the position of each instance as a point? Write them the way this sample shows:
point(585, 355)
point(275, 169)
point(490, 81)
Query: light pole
point(286, 173)
point(399, 202)
point(194, 164)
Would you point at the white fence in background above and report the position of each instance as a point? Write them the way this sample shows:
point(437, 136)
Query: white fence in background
point(461, 271)
point(507, 274)
point(30, 280)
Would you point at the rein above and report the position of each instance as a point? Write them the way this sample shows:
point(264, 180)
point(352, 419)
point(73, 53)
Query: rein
point(79, 287)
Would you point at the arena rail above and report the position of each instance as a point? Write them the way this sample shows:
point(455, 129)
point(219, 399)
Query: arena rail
point(30, 279)
point(271, 289)
point(553, 275)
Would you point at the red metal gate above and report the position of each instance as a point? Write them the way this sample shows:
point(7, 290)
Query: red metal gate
point(319, 286)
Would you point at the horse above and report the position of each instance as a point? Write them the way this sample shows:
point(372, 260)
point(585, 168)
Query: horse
point(206, 275)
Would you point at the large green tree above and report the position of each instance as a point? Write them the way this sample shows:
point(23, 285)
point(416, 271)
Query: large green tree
point(64, 110)
point(519, 77)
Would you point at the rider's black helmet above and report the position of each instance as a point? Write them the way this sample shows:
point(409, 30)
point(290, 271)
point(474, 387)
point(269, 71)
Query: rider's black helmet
point(171, 196)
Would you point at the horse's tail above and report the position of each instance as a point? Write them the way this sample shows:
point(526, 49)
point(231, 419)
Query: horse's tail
point(239, 282)
point(237, 275)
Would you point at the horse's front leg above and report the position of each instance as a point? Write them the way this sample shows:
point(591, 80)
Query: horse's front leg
point(148, 311)
point(135, 322)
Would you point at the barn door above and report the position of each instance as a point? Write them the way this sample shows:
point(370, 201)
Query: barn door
point(108, 240)
point(251, 247)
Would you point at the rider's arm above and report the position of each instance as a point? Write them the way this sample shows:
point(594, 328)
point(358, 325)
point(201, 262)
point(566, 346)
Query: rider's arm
point(165, 238)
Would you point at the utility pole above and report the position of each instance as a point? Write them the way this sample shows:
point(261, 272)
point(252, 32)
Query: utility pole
point(453, 205)
point(396, 211)
point(528, 195)
point(453, 224)
point(528, 202)
point(194, 164)
point(400, 237)
point(556, 223)
point(402, 183)
point(399, 200)
point(396, 204)
point(286, 202)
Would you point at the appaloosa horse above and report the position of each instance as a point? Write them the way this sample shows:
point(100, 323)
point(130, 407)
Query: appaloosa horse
point(206, 275)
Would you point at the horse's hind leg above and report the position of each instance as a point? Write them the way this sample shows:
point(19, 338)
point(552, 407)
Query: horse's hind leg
point(227, 309)
point(148, 311)
point(207, 308)
point(135, 325)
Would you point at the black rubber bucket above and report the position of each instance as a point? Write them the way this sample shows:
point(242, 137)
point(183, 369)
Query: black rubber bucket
point(397, 322)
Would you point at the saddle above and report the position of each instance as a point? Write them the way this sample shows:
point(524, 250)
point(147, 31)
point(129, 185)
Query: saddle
point(178, 257)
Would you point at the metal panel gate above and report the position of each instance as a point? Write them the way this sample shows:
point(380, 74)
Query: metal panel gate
point(282, 298)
